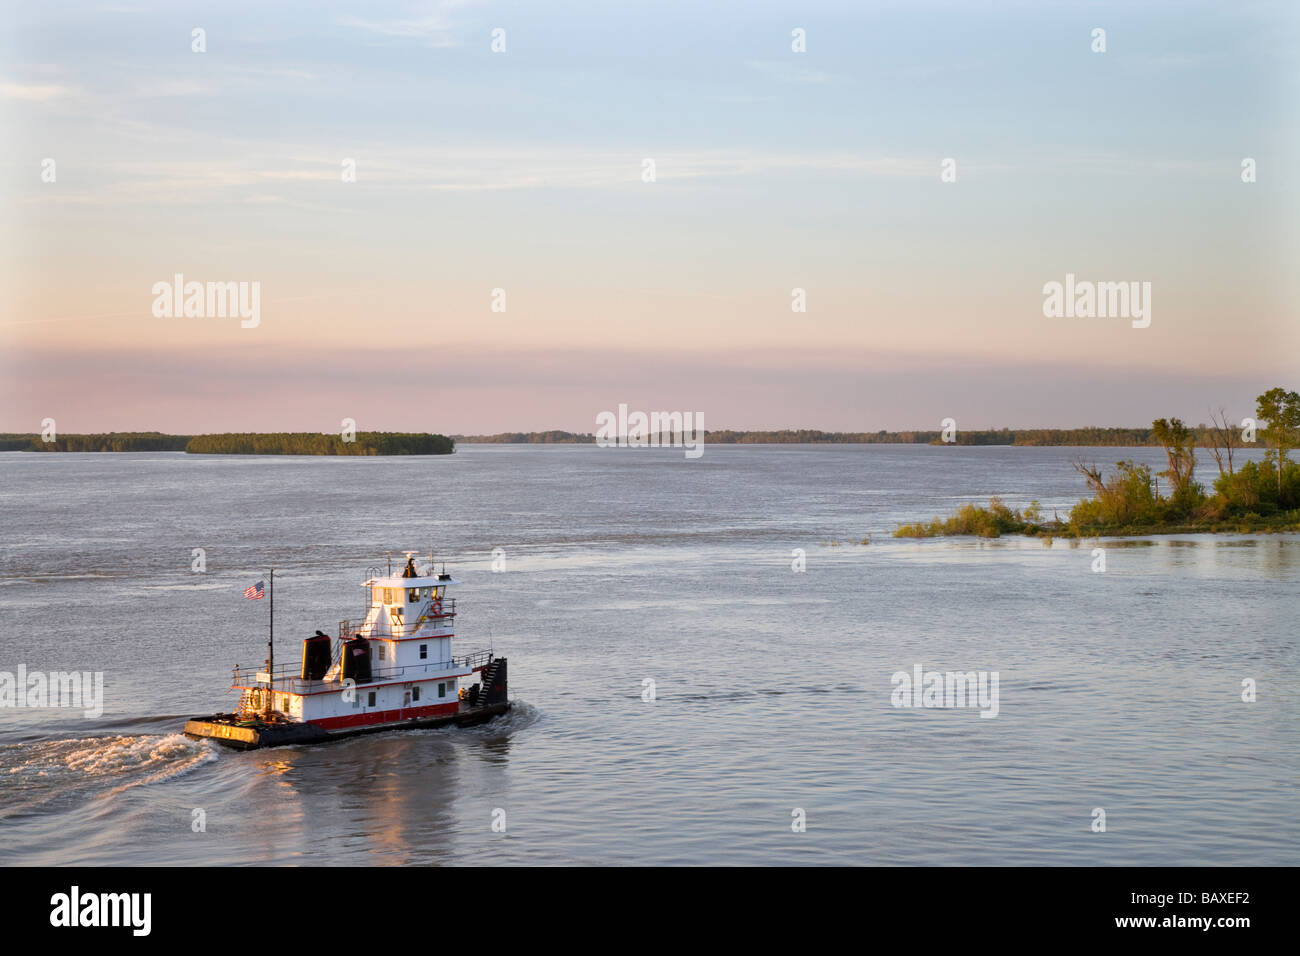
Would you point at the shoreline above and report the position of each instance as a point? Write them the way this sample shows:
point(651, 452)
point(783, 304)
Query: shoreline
point(1281, 526)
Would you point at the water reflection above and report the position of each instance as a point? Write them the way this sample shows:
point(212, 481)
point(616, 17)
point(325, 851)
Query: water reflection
point(494, 750)
point(399, 791)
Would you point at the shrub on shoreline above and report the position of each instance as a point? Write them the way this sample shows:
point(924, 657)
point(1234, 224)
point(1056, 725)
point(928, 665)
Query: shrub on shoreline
point(1261, 496)
point(991, 522)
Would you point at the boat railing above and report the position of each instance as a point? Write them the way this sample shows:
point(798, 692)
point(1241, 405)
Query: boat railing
point(251, 676)
point(288, 678)
point(375, 571)
point(387, 629)
point(471, 661)
point(474, 660)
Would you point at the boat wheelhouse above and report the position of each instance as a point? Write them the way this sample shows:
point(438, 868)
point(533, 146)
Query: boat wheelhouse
point(394, 668)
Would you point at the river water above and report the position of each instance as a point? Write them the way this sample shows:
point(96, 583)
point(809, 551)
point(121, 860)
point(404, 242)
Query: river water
point(772, 688)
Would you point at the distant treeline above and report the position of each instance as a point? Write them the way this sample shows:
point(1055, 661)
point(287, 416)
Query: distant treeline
point(311, 443)
point(112, 441)
point(280, 443)
point(1093, 435)
point(811, 436)
point(527, 438)
point(402, 443)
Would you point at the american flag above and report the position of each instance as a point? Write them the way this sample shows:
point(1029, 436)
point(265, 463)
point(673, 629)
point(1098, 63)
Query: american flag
point(256, 592)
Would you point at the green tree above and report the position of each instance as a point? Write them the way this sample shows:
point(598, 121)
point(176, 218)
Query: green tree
point(1279, 411)
point(1179, 443)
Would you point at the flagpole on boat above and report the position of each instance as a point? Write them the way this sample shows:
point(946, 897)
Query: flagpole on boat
point(270, 652)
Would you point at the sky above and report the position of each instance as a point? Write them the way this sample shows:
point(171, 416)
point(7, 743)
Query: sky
point(517, 178)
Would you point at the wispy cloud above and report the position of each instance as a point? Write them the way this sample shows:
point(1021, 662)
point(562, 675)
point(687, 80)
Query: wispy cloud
point(1174, 61)
point(255, 167)
point(428, 27)
point(172, 87)
point(786, 71)
point(36, 92)
point(283, 72)
point(428, 22)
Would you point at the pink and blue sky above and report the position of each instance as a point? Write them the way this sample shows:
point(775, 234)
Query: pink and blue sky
point(522, 171)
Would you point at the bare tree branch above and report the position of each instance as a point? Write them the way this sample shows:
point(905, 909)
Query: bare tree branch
point(1090, 472)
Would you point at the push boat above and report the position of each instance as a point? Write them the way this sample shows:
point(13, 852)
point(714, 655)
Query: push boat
point(394, 670)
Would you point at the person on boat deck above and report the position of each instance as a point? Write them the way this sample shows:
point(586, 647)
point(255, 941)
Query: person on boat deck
point(410, 569)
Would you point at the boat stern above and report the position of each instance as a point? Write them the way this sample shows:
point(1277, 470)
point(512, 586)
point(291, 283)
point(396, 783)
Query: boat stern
point(229, 730)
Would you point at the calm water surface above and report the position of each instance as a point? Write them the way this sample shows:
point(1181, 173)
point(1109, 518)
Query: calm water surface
point(1119, 690)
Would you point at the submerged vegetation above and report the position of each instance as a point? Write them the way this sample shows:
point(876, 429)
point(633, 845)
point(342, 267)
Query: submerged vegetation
point(991, 522)
point(1257, 496)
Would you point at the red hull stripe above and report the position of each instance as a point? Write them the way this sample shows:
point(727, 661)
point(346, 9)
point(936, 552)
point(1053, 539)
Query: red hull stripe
point(387, 716)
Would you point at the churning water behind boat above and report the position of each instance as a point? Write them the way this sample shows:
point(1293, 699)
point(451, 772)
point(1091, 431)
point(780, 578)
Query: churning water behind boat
point(55, 774)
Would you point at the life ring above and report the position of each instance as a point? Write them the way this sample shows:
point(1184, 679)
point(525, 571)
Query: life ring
point(437, 608)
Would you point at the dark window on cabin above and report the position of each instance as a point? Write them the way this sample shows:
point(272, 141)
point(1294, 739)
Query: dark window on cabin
point(424, 651)
point(415, 693)
point(442, 690)
point(372, 699)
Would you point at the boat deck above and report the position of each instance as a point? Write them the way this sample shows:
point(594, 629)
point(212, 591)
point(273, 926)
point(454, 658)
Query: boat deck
point(240, 733)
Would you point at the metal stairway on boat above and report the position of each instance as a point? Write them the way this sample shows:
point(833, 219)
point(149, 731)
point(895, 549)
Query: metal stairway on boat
point(493, 682)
